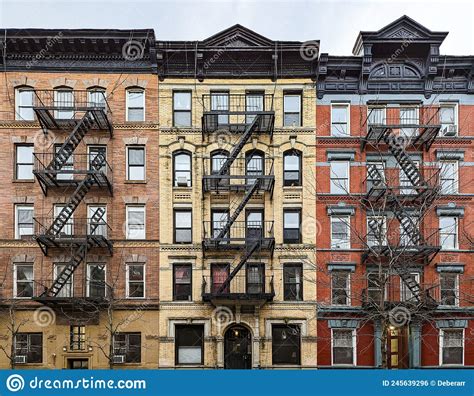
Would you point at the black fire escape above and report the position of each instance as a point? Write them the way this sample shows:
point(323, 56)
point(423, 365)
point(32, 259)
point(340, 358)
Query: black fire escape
point(81, 113)
point(405, 201)
point(240, 178)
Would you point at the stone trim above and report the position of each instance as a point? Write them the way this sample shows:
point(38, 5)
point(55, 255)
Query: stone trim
point(450, 210)
point(343, 323)
point(451, 324)
point(340, 209)
point(342, 267)
point(459, 268)
point(340, 155)
point(450, 155)
point(130, 200)
point(23, 258)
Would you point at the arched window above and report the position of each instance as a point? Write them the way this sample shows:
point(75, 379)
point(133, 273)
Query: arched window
point(63, 103)
point(292, 168)
point(24, 103)
point(96, 97)
point(254, 164)
point(182, 169)
point(218, 158)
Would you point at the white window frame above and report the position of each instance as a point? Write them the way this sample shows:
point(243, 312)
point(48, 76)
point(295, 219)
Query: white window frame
point(127, 279)
point(407, 187)
point(456, 116)
point(92, 146)
point(90, 213)
point(333, 186)
point(456, 289)
point(347, 107)
point(18, 115)
point(17, 146)
point(68, 229)
point(384, 230)
point(384, 114)
point(348, 288)
point(127, 236)
point(347, 220)
point(456, 239)
point(405, 292)
point(455, 185)
point(88, 279)
point(354, 348)
point(17, 230)
point(144, 163)
point(441, 346)
point(70, 281)
point(135, 90)
point(15, 290)
point(415, 131)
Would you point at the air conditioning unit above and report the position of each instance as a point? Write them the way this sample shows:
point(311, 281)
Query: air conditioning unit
point(20, 359)
point(119, 359)
point(450, 130)
point(182, 181)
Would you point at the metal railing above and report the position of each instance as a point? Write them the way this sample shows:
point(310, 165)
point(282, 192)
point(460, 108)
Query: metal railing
point(74, 228)
point(413, 117)
point(225, 103)
point(248, 286)
point(241, 233)
point(67, 101)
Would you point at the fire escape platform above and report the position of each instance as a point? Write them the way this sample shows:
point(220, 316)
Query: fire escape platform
point(212, 124)
point(236, 183)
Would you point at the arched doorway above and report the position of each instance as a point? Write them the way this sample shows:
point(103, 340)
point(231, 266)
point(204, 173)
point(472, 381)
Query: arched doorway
point(237, 348)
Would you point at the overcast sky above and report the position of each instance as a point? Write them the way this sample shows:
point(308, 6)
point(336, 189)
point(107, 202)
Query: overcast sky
point(336, 23)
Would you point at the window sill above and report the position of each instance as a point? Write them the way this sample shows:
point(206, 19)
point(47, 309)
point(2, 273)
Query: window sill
point(182, 188)
point(135, 182)
point(299, 187)
point(27, 181)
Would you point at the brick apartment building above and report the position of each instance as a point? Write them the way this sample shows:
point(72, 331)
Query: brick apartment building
point(394, 187)
point(207, 204)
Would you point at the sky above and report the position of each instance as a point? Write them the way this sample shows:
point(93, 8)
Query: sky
point(335, 23)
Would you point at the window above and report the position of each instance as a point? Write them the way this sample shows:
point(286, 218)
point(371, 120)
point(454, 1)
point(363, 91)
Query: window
point(183, 231)
point(93, 152)
point(376, 115)
point(405, 182)
point(343, 346)
point(128, 346)
point(449, 177)
point(136, 222)
point(94, 226)
point(449, 288)
point(340, 232)
point(448, 232)
point(291, 226)
point(340, 120)
point(24, 104)
point(409, 231)
point(23, 280)
point(24, 225)
point(189, 344)
point(64, 103)
point(405, 293)
point(135, 105)
point(96, 97)
point(218, 159)
point(292, 109)
point(136, 280)
point(77, 338)
point(182, 279)
point(452, 346)
point(292, 168)
point(219, 220)
point(255, 278)
point(65, 172)
point(376, 231)
point(254, 103)
point(136, 163)
point(24, 162)
point(220, 104)
point(29, 346)
point(254, 165)
point(96, 281)
point(219, 274)
point(67, 289)
point(182, 109)
point(340, 288)
point(68, 228)
point(448, 119)
point(375, 287)
point(375, 174)
point(254, 224)
point(293, 282)
point(409, 116)
point(182, 169)
point(286, 344)
point(339, 177)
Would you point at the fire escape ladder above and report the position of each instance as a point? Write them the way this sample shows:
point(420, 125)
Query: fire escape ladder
point(410, 282)
point(76, 198)
point(76, 259)
point(248, 252)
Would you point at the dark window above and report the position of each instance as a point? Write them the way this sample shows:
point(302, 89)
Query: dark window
point(254, 165)
point(291, 226)
point(29, 348)
point(182, 169)
point(453, 346)
point(292, 168)
point(24, 280)
point(77, 338)
point(24, 162)
point(128, 345)
point(293, 282)
point(189, 344)
point(254, 224)
point(220, 104)
point(449, 288)
point(255, 278)
point(342, 346)
point(286, 344)
point(183, 231)
point(292, 109)
point(136, 280)
point(182, 109)
point(219, 274)
point(340, 287)
point(182, 279)
point(96, 280)
point(136, 163)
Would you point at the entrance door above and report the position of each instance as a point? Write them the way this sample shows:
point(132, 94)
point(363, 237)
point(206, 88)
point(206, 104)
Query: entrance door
point(237, 348)
point(76, 364)
point(397, 348)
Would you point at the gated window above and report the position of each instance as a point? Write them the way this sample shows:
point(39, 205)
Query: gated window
point(135, 104)
point(376, 231)
point(128, 345)
point(136, 222)
point(77, 338)
point(183, 231)
point(291, 226)
point(182, 282)
point(24, 104)
point(292, 168)
point(23, 280)
point(449, 288)
point(292, 109)
point(96, 97)
point(340, 288)
point(136, 280)
point(409, 116)
point(452, 345)
point(24, 225)
point(29, 348)
point(189, 344)
point(182, 109)
point(375, 174)
point(254, 102)
point(24, 162)
point(376, 116)
point(293, 282)
point(96, 287)
point(339, 175)
point(136, 163)
point(182, 169)
point(340, 120)
point(343, 346)
point(286, 344)
point(64, 103)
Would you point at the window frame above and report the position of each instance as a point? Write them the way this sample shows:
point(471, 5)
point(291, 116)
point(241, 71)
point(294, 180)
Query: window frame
point(190, 180)
point(31, 207)
point(347, 107)
point(441, 347)
point(126, 347)
point(455, 107)
point(128, 91)
point(175, 228)
point(177, 343)
point(333, 180)
point(405, 293)
point(88, 279)
point(18, 164)
point(291, 183)
point(136, 147)
point(347, 289)
point(347, 243)
point(190, 111)
point(300, 113)
point(354, 347)
point(176, 296)
point(15, 280)
point(28, 346)
point(456, 233)
point(292, 241)
point(69, 286)
point(456, 289)
point(288, 284)
point(128, 281)
point(77, 338)
point(274, 347)
point(127, 225)
point(454, 184)
point(18, 106)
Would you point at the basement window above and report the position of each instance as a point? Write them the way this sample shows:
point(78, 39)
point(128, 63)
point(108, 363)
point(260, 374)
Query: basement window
point(127, 347)
point(29, 348)
point(189, 344)
point(286, 344)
